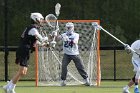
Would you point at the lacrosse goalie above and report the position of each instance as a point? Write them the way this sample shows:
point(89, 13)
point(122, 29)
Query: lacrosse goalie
point(71, 52)
point(27, 42)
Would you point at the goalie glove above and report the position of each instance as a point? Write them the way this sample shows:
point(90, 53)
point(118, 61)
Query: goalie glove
point(65, 38)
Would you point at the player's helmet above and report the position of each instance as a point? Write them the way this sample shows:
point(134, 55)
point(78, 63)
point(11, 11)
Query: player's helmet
point(69, 27)
point(36, 17)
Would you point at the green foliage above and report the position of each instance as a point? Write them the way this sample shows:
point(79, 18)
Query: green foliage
point(121, 17)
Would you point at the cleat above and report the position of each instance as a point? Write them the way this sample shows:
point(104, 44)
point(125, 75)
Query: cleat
point(125, 90)
point(63, 83)
point(136, 90)
point(5, 89)
point(12, 91)
point(87, 82)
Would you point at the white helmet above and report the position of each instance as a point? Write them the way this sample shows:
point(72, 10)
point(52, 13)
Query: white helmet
point(36, 17)
point(70, 27)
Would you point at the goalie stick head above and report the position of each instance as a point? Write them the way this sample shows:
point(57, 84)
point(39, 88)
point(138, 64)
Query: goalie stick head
point(37, 17)
point(57, 9)
point(69, 27)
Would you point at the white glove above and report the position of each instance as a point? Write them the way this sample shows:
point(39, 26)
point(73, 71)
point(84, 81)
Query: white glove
point(45, 39)
point(54, 33)
point(65, 38)
point(42, 44)
point(53, 43)
point(127, 48)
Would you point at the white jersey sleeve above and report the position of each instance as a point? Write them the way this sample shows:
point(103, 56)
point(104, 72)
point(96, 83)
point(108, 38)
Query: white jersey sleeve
point(34, 32)
point(136, 46)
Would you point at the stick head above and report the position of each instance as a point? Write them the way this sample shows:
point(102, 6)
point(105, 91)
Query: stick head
point(51, 20)
point(57, 9)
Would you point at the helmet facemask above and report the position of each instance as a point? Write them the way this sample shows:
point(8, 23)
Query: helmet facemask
point(69, 28)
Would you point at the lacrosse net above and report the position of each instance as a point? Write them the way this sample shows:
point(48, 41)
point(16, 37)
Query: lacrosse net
point(48, 60)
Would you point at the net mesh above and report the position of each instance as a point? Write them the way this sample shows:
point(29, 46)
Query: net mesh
point(49, 60)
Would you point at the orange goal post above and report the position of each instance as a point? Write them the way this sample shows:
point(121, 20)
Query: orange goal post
point(48, 60)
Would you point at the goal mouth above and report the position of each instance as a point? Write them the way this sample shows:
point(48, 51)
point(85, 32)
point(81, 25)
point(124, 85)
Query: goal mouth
point(48, 60)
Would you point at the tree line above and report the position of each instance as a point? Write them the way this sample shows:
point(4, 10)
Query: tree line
point(119, 17)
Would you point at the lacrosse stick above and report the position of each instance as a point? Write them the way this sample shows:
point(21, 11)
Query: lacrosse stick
point(98, 27)
point(52, 21)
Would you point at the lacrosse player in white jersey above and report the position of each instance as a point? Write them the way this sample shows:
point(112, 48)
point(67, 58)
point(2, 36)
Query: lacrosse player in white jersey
point(27, 42)
point(71, 52)
point(136, 63)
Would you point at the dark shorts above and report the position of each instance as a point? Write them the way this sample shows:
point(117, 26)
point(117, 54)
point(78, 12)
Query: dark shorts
point(22, 56)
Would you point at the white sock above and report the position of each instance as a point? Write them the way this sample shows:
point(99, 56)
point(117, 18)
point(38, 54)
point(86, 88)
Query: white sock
point(136, 86)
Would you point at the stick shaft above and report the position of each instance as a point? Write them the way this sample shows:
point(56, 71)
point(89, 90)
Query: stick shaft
point(113, 36)
point(118, 40)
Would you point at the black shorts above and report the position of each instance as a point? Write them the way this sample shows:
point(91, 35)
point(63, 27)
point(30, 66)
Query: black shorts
point(22, 56)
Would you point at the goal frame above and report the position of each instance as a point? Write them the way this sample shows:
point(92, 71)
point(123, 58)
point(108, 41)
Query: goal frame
point(98, 53)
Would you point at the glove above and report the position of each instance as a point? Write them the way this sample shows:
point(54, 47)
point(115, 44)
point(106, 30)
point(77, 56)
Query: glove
point(41, 44)
point(45, 39)
point(65, 38)
point(126, 47)
point(54, 33)
point(53, 43)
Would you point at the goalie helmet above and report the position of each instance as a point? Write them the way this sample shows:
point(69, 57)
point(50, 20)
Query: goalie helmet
point(69, 27)
point(37, 17)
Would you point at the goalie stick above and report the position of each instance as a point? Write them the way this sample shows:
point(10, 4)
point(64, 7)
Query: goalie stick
point(98, 27)
point(52, 21)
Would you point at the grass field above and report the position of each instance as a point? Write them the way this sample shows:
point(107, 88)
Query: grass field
point(123, 67)
point(106, 87)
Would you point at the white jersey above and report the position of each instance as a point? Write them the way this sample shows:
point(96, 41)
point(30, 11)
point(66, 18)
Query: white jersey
point(136, 58)
point(136, 47)
point(68, 47)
